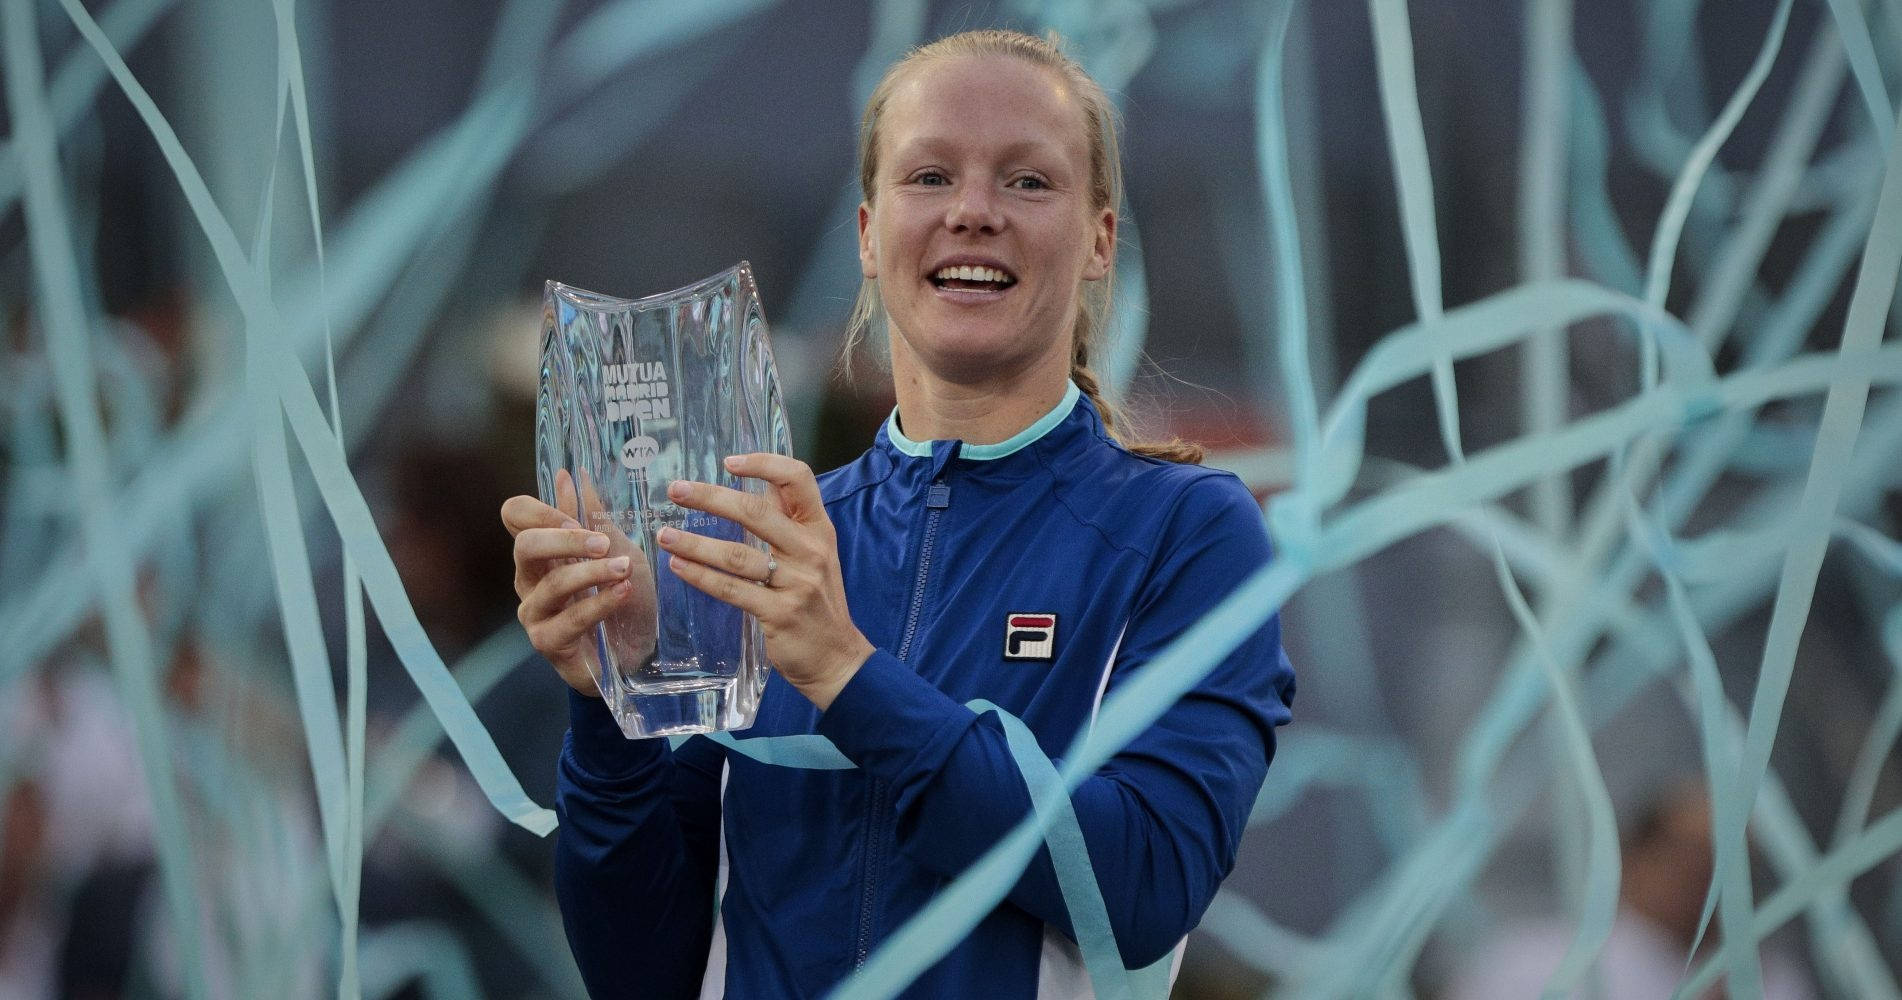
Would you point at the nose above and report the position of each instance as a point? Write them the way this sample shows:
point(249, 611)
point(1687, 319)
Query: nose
point(974, 210)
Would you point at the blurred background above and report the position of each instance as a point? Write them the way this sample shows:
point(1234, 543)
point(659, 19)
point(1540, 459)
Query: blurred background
point(169, 573)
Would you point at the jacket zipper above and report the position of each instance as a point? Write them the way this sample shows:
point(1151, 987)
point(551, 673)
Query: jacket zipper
point(937, 498)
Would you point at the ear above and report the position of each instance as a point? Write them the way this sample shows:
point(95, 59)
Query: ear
point(1102, 247)
point(868, 247)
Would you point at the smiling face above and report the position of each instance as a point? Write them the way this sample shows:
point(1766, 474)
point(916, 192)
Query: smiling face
point(981, 227)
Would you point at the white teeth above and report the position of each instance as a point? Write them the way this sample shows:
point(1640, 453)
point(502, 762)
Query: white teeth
point(967, 272)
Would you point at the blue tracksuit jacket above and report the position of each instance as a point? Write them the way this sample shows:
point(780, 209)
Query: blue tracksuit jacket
point(1058, 546)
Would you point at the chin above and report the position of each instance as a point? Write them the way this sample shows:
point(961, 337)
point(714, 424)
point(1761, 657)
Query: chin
point(974, 357)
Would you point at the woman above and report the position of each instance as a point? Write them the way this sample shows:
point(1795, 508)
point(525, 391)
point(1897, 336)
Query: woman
point(996, 542)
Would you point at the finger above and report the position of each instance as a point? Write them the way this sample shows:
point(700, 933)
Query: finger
point(796, 484)
point(565, 494)
point(559, 543)
point(520, 513)
point(539, 551)
point(600, 517)
point(590, 495)
point(564, 583)
point(750, 510)
point(565, 629)
point(747, 595)
point(736, 558)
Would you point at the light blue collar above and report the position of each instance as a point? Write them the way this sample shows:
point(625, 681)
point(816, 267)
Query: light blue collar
point(986, 452)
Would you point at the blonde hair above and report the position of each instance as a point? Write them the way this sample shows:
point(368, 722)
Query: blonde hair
point(1106, 191)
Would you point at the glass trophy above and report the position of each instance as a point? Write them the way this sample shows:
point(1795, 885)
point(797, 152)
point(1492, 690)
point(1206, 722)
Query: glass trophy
point(636, 393)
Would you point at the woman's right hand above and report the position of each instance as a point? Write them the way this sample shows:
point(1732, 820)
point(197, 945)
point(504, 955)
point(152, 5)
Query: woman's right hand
point(557, 562)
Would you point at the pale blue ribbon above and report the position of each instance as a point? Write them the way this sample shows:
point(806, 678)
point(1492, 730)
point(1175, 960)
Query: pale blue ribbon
point(1055, 815)
point(1317, 526)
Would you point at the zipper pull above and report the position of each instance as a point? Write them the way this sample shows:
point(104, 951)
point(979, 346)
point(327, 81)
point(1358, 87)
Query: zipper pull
point(939, 496)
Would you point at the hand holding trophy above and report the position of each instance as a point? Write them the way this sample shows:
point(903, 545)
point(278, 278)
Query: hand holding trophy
point(636, 394)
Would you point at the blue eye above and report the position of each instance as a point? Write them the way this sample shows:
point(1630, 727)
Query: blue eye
point(1031, 183)
point(931, 178)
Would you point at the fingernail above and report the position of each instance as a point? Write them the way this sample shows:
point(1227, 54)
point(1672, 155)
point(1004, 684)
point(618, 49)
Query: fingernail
point(618, 566)
point(621, 589)
point(597, 544)
point(665, 536)
point(732, 461)
point(571, 523)
point(679, 490)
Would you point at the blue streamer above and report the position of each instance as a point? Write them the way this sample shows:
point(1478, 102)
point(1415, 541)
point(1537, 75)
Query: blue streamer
point(1862, 58)
point(1834, 871)
point(1547, 366)
point(1290, 294)
point(68, 338)
point(1686, 427)
point(329, 467)
point(1406, 143)
point(1730, 890)
point(1678, 207)
point(1836, 439)
point(398, 954)
point(1602, 871)
point(808, 751)
point(1055, 816)
point(77, 82)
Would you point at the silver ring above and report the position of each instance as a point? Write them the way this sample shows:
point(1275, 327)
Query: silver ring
point(772, 566)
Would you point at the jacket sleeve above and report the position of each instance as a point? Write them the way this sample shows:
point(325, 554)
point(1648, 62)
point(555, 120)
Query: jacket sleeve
point(635, 855)
point(1163, 817)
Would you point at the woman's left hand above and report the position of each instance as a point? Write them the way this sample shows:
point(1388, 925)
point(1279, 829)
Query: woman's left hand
point(797, 592)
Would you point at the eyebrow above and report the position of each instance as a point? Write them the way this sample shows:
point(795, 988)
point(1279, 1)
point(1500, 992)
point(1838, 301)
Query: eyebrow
point(1018, 149)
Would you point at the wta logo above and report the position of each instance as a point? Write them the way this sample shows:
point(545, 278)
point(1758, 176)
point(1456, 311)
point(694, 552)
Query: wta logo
point(1030, 636)
point(638, 451)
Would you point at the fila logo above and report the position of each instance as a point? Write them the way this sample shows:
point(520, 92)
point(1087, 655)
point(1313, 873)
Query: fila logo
point(1030, 636)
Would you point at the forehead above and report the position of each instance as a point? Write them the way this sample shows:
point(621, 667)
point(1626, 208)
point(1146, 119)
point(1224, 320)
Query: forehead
point(984, 102)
